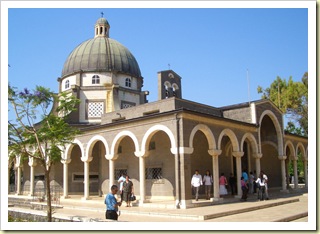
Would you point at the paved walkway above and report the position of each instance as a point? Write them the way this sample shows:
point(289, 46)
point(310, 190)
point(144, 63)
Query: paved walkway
point(281, 207)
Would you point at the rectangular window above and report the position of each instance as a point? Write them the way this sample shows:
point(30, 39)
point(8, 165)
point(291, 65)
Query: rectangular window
point(39, 177)
point(94, 109)
point(153, 173)
point(79, 177)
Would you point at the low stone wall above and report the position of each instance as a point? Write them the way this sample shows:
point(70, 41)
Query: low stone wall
point(30, 217)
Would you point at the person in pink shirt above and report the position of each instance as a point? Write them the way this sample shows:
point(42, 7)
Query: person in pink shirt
point(222, 185)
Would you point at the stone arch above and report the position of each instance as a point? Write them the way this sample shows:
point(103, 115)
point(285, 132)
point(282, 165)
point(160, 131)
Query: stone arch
point(277, 127)
point(70, 147)
point(153, 130)
point(233, 139)
point(116, 141)
point(252, 140)
point(302, 149)
point(291, 147)
point(92, 142)
point(207, 132)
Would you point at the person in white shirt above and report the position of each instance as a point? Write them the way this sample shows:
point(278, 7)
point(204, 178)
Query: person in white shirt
point(121, 180)
point(196, 182)
point(262, 185)
point(207, 181)
point(265, 177)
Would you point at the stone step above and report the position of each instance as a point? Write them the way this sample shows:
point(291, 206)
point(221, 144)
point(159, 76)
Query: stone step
point(285, 212)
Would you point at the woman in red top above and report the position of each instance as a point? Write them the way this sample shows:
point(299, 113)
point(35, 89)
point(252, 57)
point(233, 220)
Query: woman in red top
point(222, 184)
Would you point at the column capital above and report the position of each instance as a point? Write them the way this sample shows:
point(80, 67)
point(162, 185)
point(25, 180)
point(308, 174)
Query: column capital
point(65, 161)
point(86, 159)
point(142, 154)
point(282, 157)
point(214, 152)
point(182, 150)
point(111, 156)
point(32, 162)
point(257, 155)
point(237, 154)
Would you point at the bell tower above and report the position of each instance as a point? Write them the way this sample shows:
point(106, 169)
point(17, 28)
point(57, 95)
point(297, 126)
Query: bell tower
point(169, 85)
point(101, 29)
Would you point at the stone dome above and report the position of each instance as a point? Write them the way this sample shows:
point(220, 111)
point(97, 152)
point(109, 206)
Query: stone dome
point(101, 54)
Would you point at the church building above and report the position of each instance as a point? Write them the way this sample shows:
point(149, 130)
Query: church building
point(158, 144)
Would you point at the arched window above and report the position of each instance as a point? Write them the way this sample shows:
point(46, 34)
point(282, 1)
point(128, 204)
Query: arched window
point(128, 82)
point(175, 88)
point(95, 79)
point(167, 86)
point(67, 84)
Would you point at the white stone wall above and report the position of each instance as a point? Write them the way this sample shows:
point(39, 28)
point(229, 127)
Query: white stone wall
point(90, 95)
point(72, 81)
point(104, 78)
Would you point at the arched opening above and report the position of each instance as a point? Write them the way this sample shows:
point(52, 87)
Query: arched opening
point(75, 171)
point(201, 160)
point(300, 165)
point(269, 162)
point(227, 163)
point(98, 169)
point(160, 168)
point(126, 161)
point(289, 166)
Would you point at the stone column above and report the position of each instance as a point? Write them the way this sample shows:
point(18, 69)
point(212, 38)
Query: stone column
point(238, 156)
point(295, 172)
point(283, 172)
point(65, 177)
point(9, 169)
point(86, 179)
point(32, 164)
point(18, 174)
point(183, 178)
point(215, 171)
point(305, 164)
point(257, 157)
point(111, 174)
point(142, 180)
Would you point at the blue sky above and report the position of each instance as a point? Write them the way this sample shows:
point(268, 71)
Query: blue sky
point(211, 49)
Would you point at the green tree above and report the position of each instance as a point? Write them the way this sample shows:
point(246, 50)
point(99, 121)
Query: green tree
point(40, 129)
point(292, 99)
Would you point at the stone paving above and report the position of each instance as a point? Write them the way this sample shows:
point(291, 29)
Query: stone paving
point(280, 208)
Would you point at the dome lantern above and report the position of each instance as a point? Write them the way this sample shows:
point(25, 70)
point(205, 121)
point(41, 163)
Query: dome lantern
point(102, 27)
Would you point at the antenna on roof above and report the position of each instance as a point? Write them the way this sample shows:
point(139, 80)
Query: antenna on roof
point(248, 80)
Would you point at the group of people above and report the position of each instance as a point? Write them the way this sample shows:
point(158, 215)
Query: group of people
point(197, 181)
point(126, 192)
point(249, 184)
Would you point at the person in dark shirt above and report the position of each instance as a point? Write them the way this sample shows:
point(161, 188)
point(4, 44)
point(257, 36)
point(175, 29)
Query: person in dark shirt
point(232, 183)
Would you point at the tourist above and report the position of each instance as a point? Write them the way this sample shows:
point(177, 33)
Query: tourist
point(251, 182)
point(127, 190)
point(112, 204)
point(262, 186)
point(121, 180)
point(222, 185)
point(232, 183)
point(266, 180)
point(244, 188)
point(196, 182)
point(207, 181)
